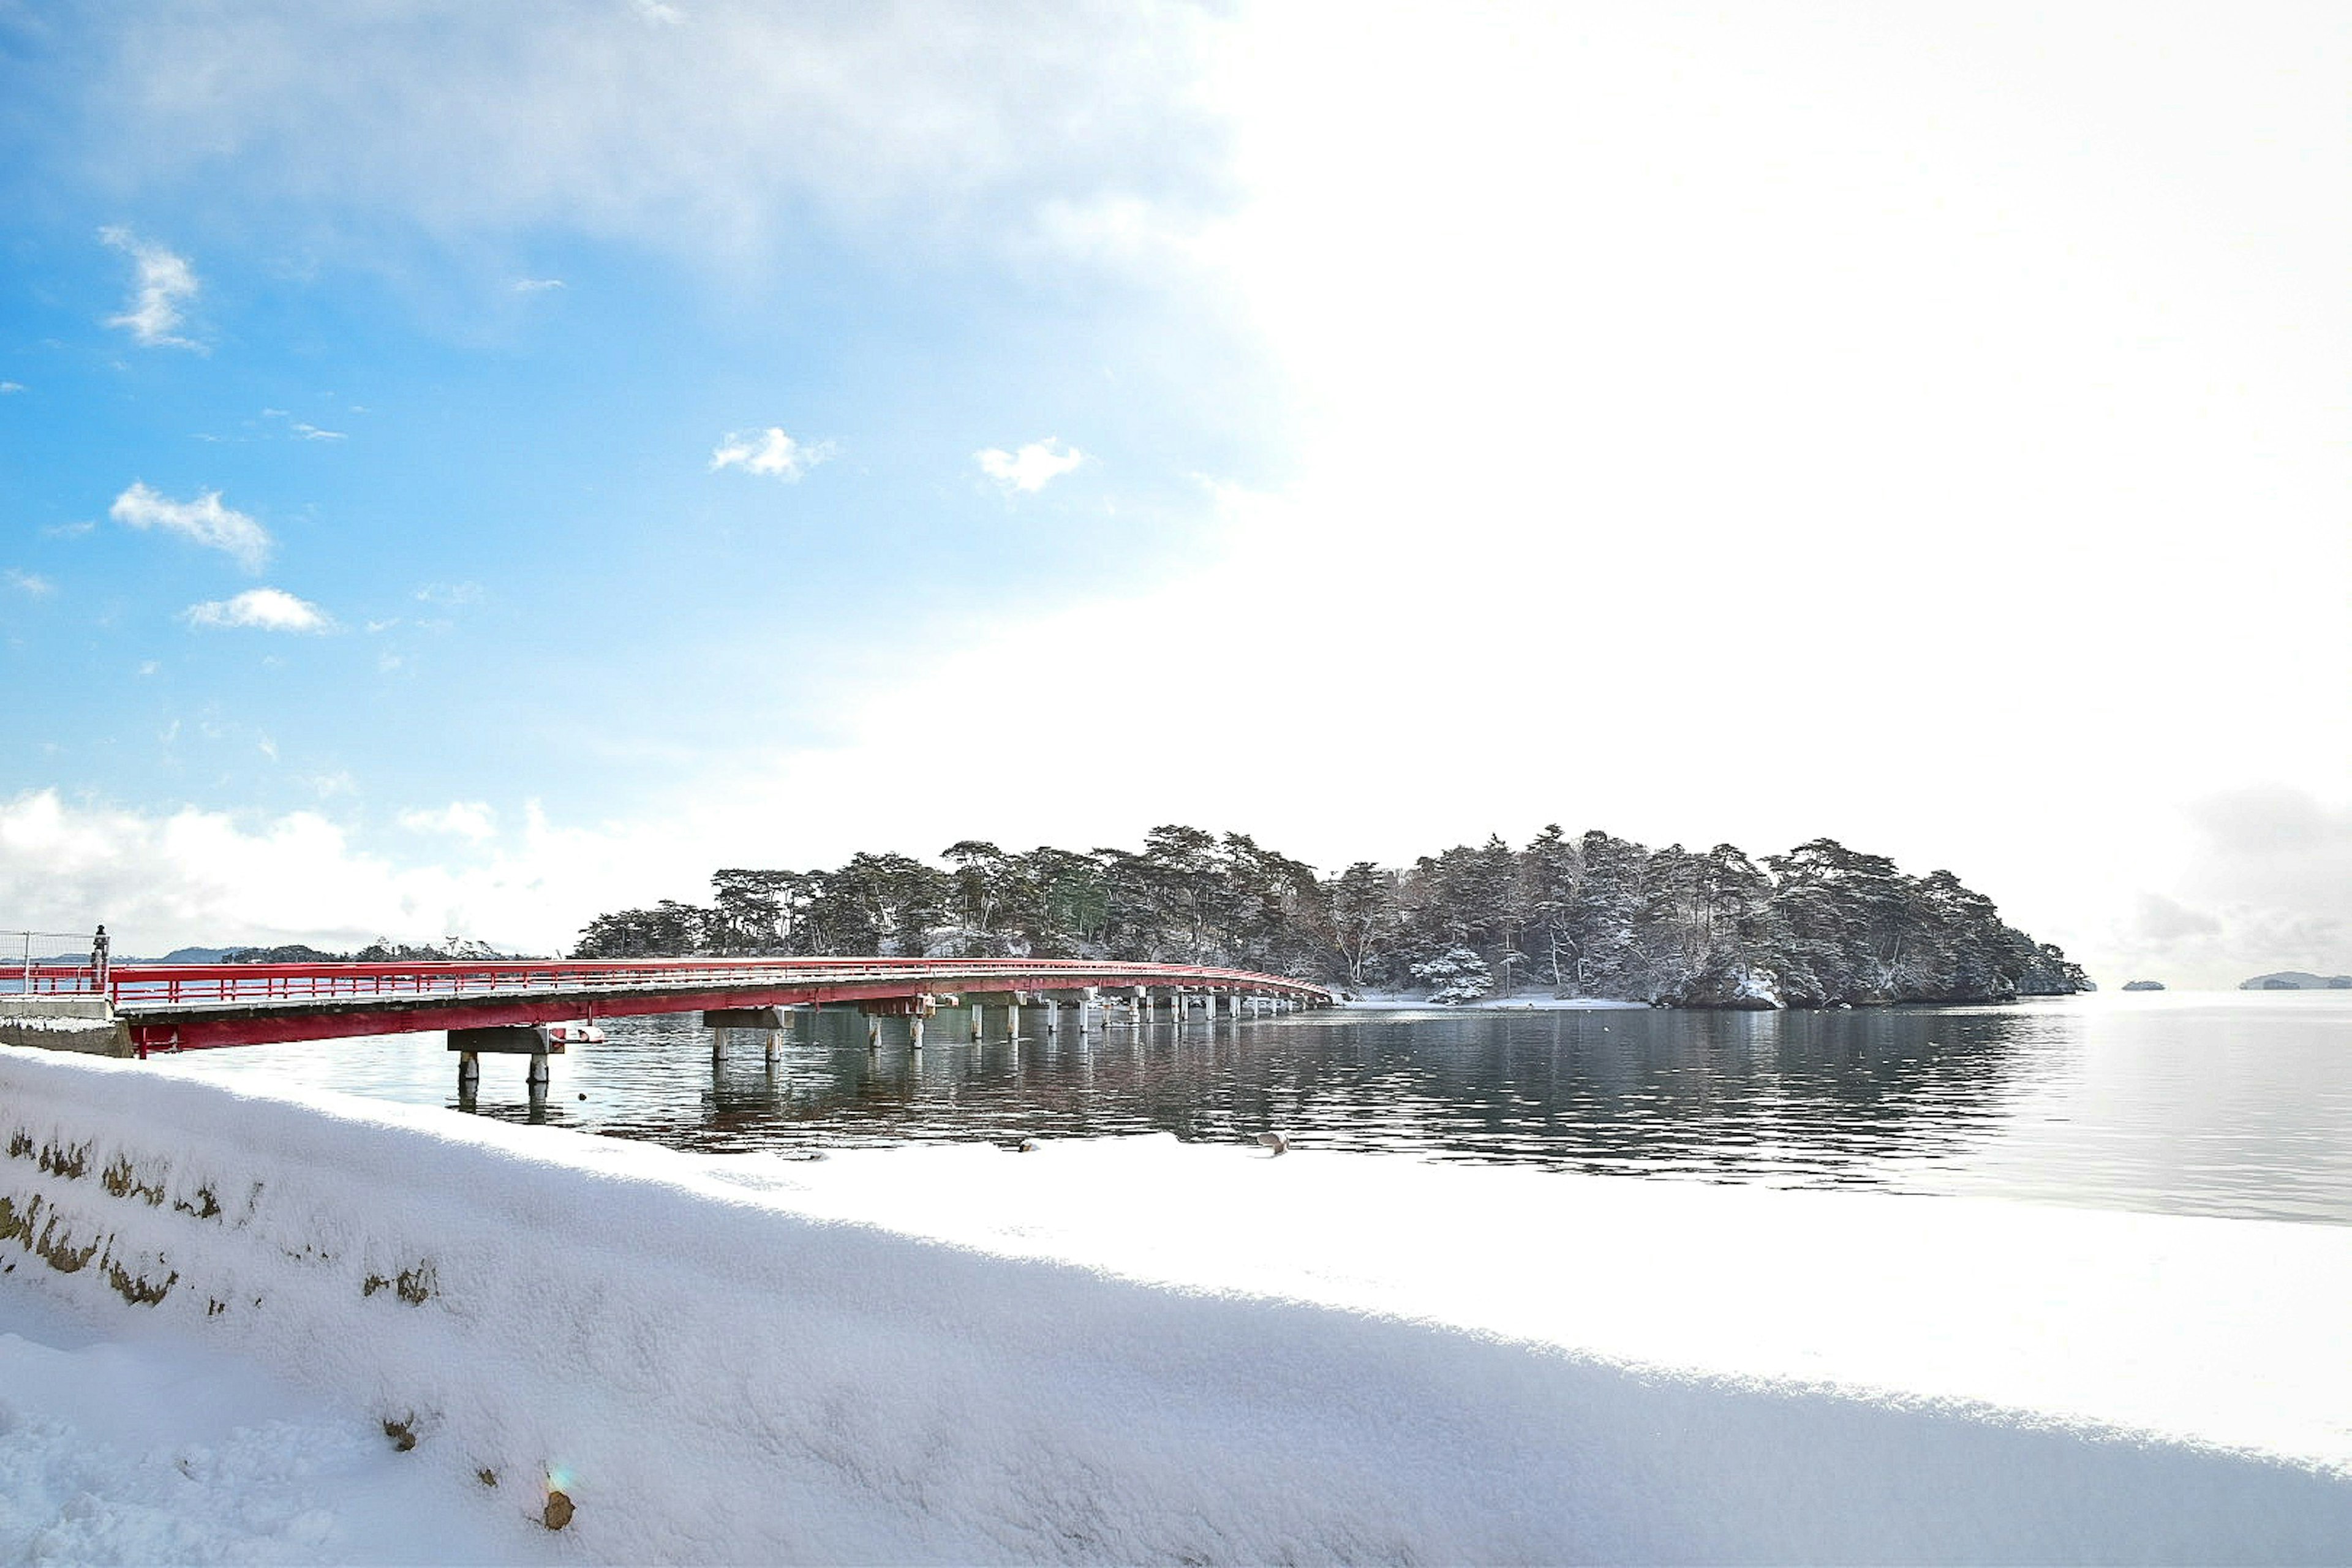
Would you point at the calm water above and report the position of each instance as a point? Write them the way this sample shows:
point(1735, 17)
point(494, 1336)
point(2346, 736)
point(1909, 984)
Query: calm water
point(2223, 1104)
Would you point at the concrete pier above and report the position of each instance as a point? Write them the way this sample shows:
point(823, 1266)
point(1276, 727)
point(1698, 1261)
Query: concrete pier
point(914, 1009)
point(530, 1040)
point(743, 1018)
point(84, 1023)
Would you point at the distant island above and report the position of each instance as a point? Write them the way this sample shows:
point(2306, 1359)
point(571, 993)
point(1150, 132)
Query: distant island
point(2142, 984)
point(1587, 916)
point(383, 950)
point(2296, 980)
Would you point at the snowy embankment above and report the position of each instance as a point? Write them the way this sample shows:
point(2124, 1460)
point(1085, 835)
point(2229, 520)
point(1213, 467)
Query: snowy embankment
point(1409, 1002)
point(1134, 1351)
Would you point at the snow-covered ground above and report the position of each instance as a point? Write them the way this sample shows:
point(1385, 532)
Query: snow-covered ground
point(1414, 1002)
point(1130, 1351)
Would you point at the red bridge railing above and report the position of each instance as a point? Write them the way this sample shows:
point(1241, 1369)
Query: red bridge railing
point(152, 984)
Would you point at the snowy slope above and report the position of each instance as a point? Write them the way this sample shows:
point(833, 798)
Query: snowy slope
point(1123, 1352)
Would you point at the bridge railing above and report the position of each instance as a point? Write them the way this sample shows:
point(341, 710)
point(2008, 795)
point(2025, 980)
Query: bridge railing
point(133, 985)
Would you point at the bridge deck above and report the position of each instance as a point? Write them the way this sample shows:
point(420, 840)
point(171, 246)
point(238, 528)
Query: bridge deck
point(196, 1007)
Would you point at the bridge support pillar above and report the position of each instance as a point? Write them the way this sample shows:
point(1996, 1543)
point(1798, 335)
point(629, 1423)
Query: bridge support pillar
point(506, 1040)
point(915, 1032)
point(773, 1021)
point(1209, 1001)
point(1053, 1016)
point(743, 1018)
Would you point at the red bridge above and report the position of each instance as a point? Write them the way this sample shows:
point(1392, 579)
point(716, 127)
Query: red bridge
point(144, 1008)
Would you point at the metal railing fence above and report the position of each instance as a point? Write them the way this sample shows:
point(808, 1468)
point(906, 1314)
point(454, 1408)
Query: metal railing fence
point(66, 973)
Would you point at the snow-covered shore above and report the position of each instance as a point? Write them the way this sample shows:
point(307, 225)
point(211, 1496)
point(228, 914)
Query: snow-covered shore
point(1129, 1350)
point(1406, 1002)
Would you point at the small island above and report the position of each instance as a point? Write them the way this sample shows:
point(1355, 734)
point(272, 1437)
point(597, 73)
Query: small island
point(2142, 984)
point(2296, 980)
point(1587, 916)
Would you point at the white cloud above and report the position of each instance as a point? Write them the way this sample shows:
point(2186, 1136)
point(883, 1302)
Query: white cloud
point(149, 666)
point(469, 819)
point(31, 582)
point(769, 451)
point(313, 433)
point(537, 285)
point(1030, 469)
point(262, 609)
point(164, 283)
point(716, 140)
point(162, 878)
point(449, 596)
point(202, 520)
point(8, 386)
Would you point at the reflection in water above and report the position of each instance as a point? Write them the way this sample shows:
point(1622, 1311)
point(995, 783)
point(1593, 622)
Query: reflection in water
point(2213, 1106)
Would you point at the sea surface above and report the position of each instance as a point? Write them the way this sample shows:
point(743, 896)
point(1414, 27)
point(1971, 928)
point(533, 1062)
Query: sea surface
point(2230, 1104)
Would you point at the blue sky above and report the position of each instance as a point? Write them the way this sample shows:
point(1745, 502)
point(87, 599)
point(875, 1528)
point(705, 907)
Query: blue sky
point(488, 458)
point(1704, 425)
